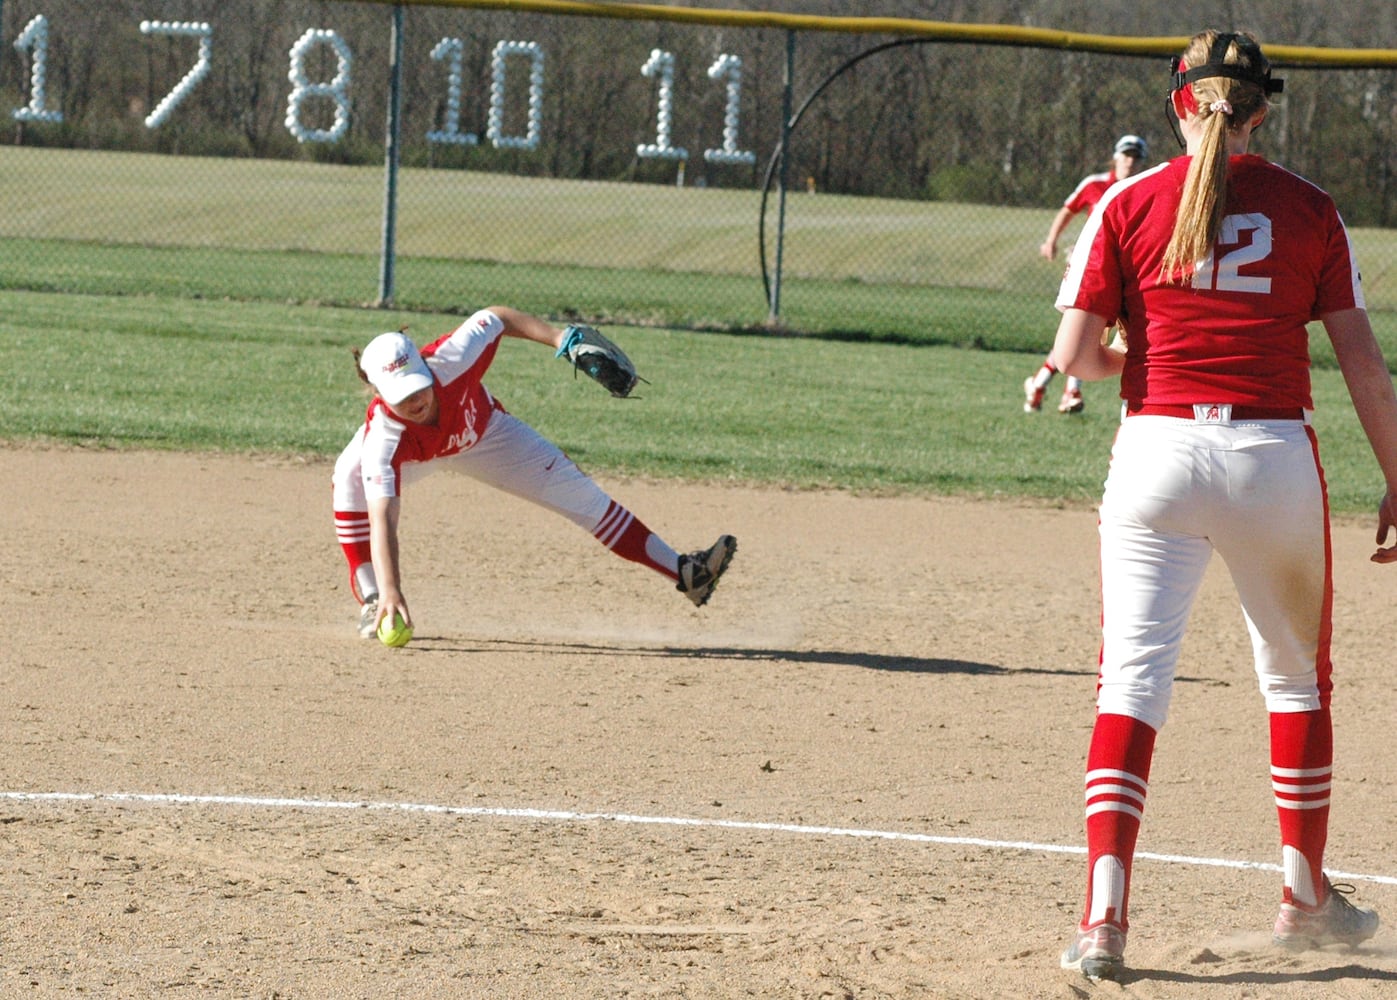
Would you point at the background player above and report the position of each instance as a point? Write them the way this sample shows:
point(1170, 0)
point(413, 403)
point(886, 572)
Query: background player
point(1215, 262)
point(431, 411)
point(1129, 155)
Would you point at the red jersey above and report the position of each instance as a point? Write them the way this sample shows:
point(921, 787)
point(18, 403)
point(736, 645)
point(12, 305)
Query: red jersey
point(1086, 194)
point(458, 362)
point(1237, 333)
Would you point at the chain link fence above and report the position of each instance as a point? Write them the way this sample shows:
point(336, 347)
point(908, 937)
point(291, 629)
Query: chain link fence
point(613, 170)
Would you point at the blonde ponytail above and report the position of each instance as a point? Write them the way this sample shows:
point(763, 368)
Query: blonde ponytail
point(1223, 102)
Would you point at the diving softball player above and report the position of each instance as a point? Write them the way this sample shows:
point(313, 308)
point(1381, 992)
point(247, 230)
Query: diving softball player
point(1214, 262)
point(431, 411)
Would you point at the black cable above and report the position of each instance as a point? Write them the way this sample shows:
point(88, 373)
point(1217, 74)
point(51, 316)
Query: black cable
point(790, 128)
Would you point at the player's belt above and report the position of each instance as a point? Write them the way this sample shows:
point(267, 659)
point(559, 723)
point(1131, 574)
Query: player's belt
point(1189, 411)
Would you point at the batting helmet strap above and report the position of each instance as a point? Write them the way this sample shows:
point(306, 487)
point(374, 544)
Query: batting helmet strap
point(1181, 76)
point(1180, 100)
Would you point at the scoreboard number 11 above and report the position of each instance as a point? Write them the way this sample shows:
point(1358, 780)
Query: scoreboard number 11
point(727, 68)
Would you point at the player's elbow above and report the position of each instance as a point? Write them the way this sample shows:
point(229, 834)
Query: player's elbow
point(1089, 364)
point(1077, 349)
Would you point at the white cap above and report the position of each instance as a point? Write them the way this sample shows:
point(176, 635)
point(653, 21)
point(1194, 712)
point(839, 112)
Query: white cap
point(395, 367)
point(1134, 145)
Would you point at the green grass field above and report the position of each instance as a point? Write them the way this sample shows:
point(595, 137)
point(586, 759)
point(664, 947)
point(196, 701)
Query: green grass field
point(649, 298)
point(192, 374)
point(212, 304)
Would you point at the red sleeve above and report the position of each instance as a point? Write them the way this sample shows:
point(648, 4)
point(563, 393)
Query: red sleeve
point(1340, 285)
point(1086, 194)
point(1093, 282)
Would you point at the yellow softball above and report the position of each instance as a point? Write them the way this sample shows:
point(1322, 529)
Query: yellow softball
point(396, 633)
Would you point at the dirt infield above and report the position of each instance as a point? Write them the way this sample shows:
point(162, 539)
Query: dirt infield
point(857, 773)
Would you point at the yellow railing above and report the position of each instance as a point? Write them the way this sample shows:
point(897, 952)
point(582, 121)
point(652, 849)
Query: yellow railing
point(945, 31)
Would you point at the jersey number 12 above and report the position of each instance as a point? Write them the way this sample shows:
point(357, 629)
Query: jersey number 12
point(1225, 274)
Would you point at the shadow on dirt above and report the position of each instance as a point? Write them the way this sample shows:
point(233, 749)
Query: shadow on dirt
point(1339, 973)
point(829, 657)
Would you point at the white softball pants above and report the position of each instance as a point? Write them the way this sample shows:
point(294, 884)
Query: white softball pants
point(509, 456)
point(1178, 490)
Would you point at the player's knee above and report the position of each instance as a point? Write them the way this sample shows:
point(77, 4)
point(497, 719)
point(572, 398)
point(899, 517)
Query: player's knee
point(1148, 704)
point(1290, 694)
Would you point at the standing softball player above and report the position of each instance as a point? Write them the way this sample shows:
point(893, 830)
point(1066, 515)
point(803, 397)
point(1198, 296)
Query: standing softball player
point(1214, 262)
point(1130, 154)
point(432, 412)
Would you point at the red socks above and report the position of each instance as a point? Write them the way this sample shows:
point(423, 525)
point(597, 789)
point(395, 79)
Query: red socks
point(1117, 781)
point(352, 530)
point(1302, 767)
point(1118, 771)
point(624, 533)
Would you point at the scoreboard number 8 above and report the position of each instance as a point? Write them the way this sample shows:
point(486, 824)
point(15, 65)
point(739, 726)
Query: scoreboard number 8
point(302, 88)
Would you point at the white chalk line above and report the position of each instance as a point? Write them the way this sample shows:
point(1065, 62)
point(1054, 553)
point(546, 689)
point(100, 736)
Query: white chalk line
point(566, 816)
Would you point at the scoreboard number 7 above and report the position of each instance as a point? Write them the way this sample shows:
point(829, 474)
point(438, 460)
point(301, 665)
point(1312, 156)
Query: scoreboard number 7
point(200, 30)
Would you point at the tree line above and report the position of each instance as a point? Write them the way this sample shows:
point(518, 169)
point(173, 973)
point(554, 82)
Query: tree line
point(954, 122)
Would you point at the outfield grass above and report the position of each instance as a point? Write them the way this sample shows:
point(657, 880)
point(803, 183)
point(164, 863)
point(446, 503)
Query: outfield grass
point(897, 314)
point(245, 204)
point(843, 310)
point(191, 374)
point(863, 268)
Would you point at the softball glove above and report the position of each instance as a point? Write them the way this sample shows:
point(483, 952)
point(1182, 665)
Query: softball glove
point(599, 359)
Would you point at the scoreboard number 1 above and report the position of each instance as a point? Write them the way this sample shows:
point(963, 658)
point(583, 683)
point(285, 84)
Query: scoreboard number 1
point(661, 64)
point(450, 50)
point(730, 67)
point(35, 37)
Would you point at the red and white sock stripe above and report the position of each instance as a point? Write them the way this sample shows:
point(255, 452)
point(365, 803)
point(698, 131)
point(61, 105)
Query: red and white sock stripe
point(1112, 790)
point(613, 525)
point(351, 527)
point(1301, 788)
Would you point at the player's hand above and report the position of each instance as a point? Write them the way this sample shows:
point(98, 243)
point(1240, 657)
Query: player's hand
point(390, 602)
point(1048, 251)
point(1387, 523)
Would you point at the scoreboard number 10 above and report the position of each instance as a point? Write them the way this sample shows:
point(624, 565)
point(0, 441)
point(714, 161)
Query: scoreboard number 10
point(660, 65)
